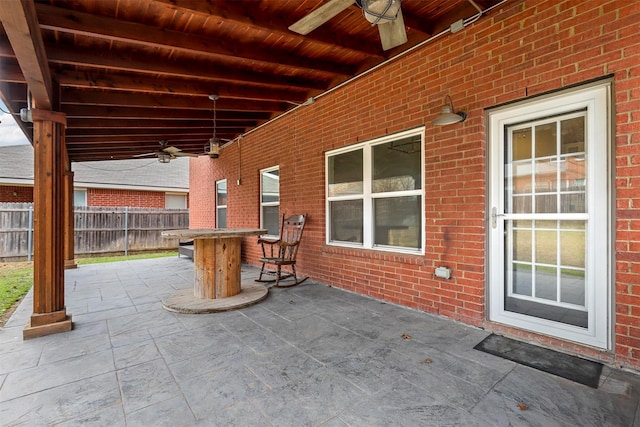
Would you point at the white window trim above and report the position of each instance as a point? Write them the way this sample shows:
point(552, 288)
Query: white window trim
point(263, 204)
point(367, 195)
point(596, 99)
point(219, 207)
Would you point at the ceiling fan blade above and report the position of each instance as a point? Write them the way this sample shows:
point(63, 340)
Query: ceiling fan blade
point(146, 154)
point(171, 150)
point(319, 16)
point(393, 33)
point(184, 155)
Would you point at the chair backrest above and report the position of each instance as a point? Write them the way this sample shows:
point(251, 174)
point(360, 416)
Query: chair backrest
point(290, 235)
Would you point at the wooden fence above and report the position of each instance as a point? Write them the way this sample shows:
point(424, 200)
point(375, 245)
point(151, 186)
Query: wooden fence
point(97, 229)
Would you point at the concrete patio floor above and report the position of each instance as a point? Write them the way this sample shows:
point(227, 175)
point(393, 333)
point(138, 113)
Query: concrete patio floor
point(310, 355)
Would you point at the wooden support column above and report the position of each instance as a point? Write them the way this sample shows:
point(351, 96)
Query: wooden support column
point(69, 244)
point(49, 312)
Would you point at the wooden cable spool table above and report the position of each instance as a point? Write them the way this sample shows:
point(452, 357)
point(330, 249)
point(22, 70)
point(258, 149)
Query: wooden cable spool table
point(217, 283)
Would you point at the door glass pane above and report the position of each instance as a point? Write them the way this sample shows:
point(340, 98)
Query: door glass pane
point(572, 135)
point(546, 140)
point(522, 245)
point(346, 221)
point(545, 262)
point(397, 221)
point(345, 173)
point(521, 145)
point(546, 283)
point(546, 247)
point(522, 279)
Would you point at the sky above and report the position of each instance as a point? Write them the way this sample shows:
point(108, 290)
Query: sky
point(10, 133)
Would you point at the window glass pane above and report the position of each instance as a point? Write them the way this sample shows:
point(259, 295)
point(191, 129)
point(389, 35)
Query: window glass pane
point(397, 165)
point(397, 221)
point(345, 173)
point(221, 218)
point(346, 221)
point(221, 190)
point(271, 186)
point(79, 198)
point(175, 201)
point(271, 219)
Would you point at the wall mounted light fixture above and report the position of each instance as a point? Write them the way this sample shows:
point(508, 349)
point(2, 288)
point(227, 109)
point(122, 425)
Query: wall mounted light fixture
point(448, 116)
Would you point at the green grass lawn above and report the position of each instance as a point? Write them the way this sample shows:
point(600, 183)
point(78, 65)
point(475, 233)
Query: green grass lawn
point(16, 278)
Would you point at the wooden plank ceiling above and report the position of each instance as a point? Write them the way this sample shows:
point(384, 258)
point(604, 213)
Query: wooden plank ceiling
point(129, 73)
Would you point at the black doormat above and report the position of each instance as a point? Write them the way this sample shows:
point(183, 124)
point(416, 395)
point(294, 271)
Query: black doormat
point(563, 365)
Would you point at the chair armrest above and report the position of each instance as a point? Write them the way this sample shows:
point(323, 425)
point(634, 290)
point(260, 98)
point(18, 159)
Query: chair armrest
point(268, 240)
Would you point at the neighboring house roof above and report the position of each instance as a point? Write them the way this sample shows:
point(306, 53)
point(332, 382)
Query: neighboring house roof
point(16, 168)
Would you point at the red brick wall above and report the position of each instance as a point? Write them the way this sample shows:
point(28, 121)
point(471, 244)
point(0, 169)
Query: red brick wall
point(521, 49)
point(16, 194)
point(95, 197)
point(131, 198)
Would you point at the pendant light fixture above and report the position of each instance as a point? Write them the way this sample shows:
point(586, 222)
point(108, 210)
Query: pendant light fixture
point(213, 150)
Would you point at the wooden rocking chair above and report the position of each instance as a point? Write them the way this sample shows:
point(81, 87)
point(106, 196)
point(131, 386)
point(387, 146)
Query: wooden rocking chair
point(282, 251)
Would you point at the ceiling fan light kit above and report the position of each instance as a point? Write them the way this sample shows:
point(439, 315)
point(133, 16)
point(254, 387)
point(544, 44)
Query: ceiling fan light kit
point(380, 11)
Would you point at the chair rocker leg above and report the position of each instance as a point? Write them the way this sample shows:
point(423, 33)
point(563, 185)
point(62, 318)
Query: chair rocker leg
point(264, 271)
point(296, 280)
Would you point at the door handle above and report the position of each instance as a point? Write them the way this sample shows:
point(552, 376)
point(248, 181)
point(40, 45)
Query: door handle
point(494, 217)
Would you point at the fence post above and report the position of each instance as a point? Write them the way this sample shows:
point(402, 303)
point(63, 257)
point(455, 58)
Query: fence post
point(30, 234)
point(126, 231)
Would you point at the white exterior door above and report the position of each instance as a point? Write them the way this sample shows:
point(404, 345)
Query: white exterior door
point(549, 225)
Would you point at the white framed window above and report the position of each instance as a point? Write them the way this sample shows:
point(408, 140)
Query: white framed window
point(270, 200)
point(175, 201)
point(375, 195)
point(80, 197)
point(221, 203)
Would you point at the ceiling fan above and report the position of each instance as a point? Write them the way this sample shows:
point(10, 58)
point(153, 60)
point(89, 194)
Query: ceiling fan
point(386, 14)
point(167, 153)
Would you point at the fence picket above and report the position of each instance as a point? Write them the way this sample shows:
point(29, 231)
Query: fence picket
point(97, 229)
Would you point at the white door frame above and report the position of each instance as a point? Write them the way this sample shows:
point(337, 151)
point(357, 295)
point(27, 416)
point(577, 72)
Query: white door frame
point(595, 98)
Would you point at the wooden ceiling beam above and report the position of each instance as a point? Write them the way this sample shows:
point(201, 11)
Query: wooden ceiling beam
point(159, 132)
point(108, 123)
point(151, 114)
point(100, 97)
point(168, 85)
point(20, 23)
point(78, 23)
point(248, 15)
point(150, 65)
point(117, 140)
